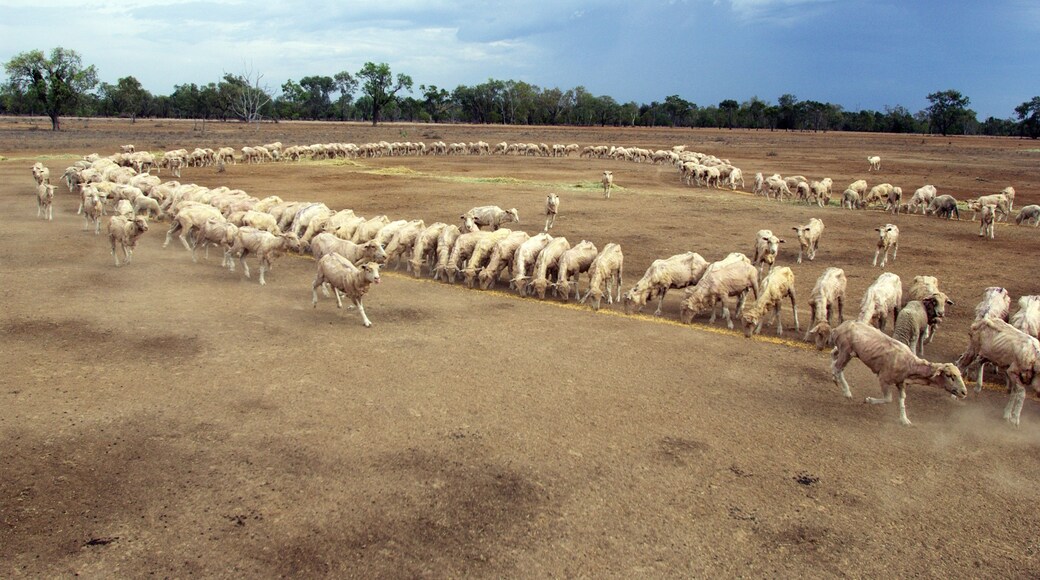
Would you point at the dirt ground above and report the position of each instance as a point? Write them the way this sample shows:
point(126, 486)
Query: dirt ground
point(175, 419)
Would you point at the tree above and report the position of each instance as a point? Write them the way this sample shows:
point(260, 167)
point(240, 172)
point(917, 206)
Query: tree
point(56, 83)
point(1029, 117)
point(379, 86)
point(127, 97)
point(346, 84)
point(948, 111)
point(729, 107)
point(317, 99)
point(243, 95)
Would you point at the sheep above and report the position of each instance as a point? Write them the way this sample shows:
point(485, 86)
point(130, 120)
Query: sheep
point(760, 185)
point(445, 242)
point(216, 232)
point(859, 186)
point(606, 270)
point(888, 239)
point(883, 296)
point(261, 221)
point(303, 222)
point(345, 278)
point(922, 198)
point(1009, 193)
point(482, 253)
point(734, 176)
point(147, 206)
point(777, 187)
point(998, 200)
point(325, 243)
point(776, 286)
point(891, 361)
point(460, 253)
point(678, 271)
point(820, 191)
point(370, 229)
point(123, 232)
point(875, 163)
point(571, 265)
point(1027, 319)
point(732, 276)
point(809, 238)
point(851, 200)
point(552, 205)
point(943, 206)
point(913, 321)
point(922, 288)
point(190, 219)
point(546, 265)
point(1016, 353)
point(986, 221)
point(766, 248)
point(491, 215)
point(45, 201)
point(501, 258)
point(1029, 212)
point(525, 257)
point(92, 212)
point(608, 182)
point(828, 292)
point(403, 241)
point(265, 245)
point(880, 193)
point(995, 303)
point(425, 248)
point(894, 199)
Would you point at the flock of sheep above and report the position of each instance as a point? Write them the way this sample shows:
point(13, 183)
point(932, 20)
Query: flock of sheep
point(350, 250)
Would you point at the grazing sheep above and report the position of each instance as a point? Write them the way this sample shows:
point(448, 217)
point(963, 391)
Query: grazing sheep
point(1009, 349)
point(608, 183)
point(943, 206)
point(425, 249)
point(501, 258)
point(911, 327)
point(45, 201)
point(809, 238)
point(776, 286)
point(894, 199)
point(1027, 319)
point(606, 270)
point(996, 303)
point(123, 232)
point(546, 265)
point(828, 292)
point(346, 279)
point(998, 200)
point(888, 239)
point(922, 198)
point(678, 271)
point(460, 254)
point(265, 245)
point(491, 215)
point(989, 214)
point(445, 242)
point(482, 254)
point(851, 200)
point(1009, 193)
point(892, 361)
point(875, 163)
point(1029, 212)
point(859, 186)
point(572, 264)
point(403, 241)
point(881, 193)
point(766, 248)
point(777, 187)
point(552, 205)
point(219, 233)
point(525, 258)
point(883, 296)
point(731, 276)
point(325, 243)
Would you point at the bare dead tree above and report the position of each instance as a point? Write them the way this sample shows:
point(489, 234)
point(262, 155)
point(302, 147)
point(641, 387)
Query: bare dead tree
point(245, 96)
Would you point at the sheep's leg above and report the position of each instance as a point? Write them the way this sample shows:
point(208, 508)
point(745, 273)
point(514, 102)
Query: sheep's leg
point(840, 358)
point(184, 239)
point(318, 281)
point(711, 304)
point(114, 255)
point(361, 309)
point(339, 295)
point(1010, 413)
point(660, 303)
point(245, 265)
point(264, 266)
point(886, 392)
point(876, 252)
point(799, 255)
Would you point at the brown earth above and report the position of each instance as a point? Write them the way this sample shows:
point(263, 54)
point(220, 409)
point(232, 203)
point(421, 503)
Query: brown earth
point(175, 419)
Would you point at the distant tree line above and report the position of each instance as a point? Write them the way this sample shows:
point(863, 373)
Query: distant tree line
point(60, 85)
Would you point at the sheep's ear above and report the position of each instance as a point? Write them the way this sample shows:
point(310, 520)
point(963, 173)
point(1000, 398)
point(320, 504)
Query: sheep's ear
point(877, 229)
point(797, 230)
point(781, 240)
point(949, 302)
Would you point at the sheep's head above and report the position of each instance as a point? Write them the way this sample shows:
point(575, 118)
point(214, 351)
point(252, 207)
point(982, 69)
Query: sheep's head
point(292, 241)
point(821, 335)
point(948, 376)
point(468, 223)
point(634, 301)
point(749, 318)
point(375, 252)
point(539, 286)
point(371, 271)
point(141, 223)
point(513, 215)
point(487, 278)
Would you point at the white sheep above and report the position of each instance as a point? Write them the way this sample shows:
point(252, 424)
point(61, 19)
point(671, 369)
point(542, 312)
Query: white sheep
point(460, 253)
point(546, 265)
point(736, 175)
point(1016, 353)
point(219, 233)
point(679, 271)
point(606, 270)
point(482, 254)
point(347, 279)
point(828, 293)
point(123, 232)
point(552, 206)
point(572, 264)
point(922, 197)
point(888, 239)
point(325, 243)
point(403, 241)
point(1027, 318)
point(732, 276)
point(147, 206)
point(875, 163)
point(995, 303)
point(93, 209)
point(883, 296)
point(445, 242)
point(892, 361)
point(524, 260)
point(189, 220)
point(1000, 202)
point(41, 174)
point(491, 215)
point(1027, 213)
point(265, 245)
point(776, 286)
point(608, 182)
point(766, 248)
point(424, 251)
point(851, 199)
point(809, 238)
point(45, 201)
point(1009, 193)
point(989, 214)
point(501, 259)
point(880, 194)
point(369, 229)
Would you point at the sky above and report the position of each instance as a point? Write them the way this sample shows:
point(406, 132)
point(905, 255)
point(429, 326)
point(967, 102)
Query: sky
point(859, 54)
